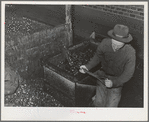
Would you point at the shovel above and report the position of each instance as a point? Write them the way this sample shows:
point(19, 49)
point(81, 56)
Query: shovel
point(95, 76)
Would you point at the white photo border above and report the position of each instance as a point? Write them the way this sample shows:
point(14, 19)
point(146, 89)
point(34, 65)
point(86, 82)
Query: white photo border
point(73, 113)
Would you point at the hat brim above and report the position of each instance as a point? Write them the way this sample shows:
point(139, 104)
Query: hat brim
point(125, 40)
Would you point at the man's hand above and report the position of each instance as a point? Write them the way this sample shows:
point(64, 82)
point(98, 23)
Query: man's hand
point(83, 67)
point(108, 83)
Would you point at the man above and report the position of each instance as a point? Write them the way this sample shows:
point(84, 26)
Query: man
point(117, 60)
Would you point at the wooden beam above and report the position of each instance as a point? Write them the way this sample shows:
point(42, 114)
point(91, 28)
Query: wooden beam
point(68, 13)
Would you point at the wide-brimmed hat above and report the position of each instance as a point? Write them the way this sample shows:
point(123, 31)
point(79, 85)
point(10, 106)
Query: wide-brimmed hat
point(120, 33)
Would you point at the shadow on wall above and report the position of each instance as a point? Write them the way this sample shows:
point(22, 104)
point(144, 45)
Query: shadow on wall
point(138, 45)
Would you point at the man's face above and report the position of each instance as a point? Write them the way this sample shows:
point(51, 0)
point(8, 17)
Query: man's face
point(117, 45)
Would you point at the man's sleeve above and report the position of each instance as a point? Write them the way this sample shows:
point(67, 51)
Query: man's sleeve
point(127, 73)
point(97, 57)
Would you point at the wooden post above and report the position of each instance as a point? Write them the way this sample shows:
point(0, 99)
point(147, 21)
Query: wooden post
point(68, 13)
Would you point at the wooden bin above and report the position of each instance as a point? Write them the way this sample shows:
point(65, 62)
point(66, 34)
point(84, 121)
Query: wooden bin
point(65, 87)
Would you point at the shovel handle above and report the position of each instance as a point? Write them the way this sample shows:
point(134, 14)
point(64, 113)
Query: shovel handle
point(93, 75)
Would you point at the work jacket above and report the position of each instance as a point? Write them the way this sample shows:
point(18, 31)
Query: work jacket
point(119, 66)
